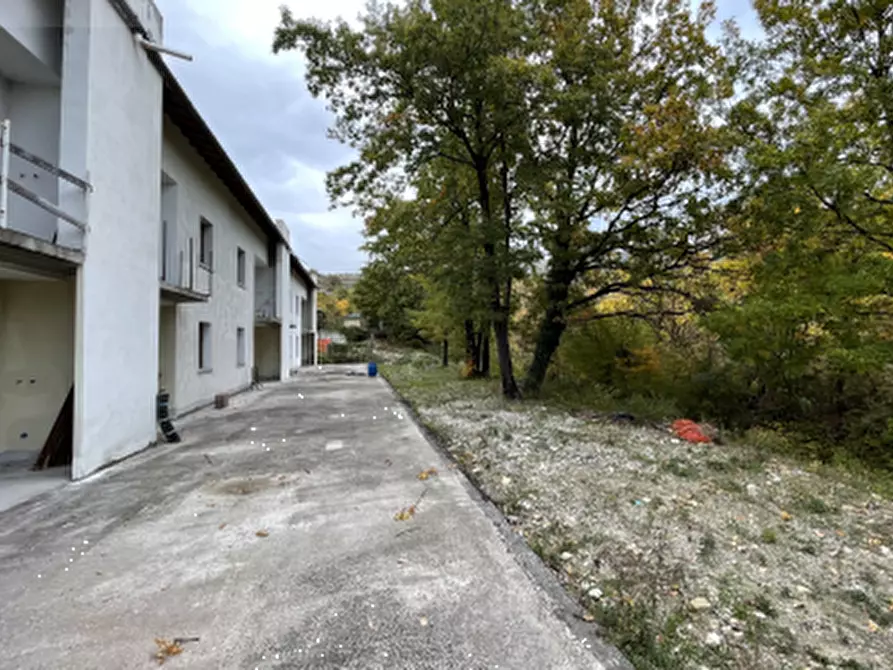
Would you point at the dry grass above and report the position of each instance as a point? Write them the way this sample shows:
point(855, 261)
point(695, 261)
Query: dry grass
point(690, 556)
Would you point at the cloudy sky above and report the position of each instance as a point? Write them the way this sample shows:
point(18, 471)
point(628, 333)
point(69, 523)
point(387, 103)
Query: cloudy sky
point(260, 110)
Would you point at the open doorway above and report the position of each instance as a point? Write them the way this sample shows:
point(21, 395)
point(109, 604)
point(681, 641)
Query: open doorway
point(36, 382)
point(167, 352)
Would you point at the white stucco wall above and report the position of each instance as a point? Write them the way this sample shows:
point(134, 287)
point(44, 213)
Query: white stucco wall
point(34, 115)
point(111, 131)
point(5, 92)
point(36, 25)
point(283, 296)
point(201, 194)
point(297, 305)
point(36, 359)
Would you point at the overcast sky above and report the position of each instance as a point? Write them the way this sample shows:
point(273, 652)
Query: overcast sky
point(260, 110)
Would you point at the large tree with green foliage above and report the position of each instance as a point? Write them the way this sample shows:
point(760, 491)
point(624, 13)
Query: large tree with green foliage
point(386, 295)
point(437, 236)
point(438, 80)
point(629, 157)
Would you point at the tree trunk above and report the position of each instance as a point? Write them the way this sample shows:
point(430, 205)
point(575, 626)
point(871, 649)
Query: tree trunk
point(504, 356)
point(485, 353)
point(548, 338)
point(472, 349)
point(500, 311)
point(552, 326)
point(446, 352)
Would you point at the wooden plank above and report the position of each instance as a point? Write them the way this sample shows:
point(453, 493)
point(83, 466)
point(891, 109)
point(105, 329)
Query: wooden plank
point(57, 450)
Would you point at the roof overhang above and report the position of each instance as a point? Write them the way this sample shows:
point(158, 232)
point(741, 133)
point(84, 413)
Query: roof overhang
point(298, 268)
point(180, 110)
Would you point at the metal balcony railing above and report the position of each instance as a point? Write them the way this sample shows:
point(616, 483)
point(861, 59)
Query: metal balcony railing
point(9, 185)
point(180, 269)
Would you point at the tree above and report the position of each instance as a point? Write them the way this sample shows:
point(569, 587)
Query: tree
point(817, 122)
point(439, 80)
point(436, 236)
point(630, 154)
point(386, 296)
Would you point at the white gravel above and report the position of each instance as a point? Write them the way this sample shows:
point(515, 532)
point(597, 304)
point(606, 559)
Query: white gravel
point(794, 562)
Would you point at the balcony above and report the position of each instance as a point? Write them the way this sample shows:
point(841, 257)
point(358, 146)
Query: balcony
point(266, 305)
point(267, 315)
point(182, 279)
point(30, 222)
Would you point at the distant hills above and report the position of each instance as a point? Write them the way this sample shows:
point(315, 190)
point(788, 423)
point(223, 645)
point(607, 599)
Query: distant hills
point(330, 283)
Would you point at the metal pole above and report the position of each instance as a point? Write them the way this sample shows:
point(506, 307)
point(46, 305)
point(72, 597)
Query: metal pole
point(152, 46)
point(4, 170)
point(43, 203)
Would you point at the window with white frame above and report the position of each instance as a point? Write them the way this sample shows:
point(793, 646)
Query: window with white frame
point(206, 245)
point(240, 267)
point(240, 347)
point(204, 346)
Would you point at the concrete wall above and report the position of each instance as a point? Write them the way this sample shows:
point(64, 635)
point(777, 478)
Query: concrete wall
point(5, 93)
point(283, 296)
point(36, 359)
point(200, 194)
point(34, 115)
point(111, 131)
point(297, 307)
point(36, 26)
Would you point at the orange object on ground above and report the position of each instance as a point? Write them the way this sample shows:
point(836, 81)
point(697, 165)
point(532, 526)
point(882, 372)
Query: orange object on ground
point(689, 431)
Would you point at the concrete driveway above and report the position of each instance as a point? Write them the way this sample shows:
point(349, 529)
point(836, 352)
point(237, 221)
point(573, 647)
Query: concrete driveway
point(269, 535)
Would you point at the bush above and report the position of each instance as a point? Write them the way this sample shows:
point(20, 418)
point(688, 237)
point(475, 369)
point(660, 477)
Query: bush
point(344, 353)
point(355, 334)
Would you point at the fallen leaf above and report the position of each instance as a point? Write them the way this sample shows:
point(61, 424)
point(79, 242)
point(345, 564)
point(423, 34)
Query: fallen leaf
point(425, 474)
point(588, 617)
point(872, 627)
point(423, 621)
point(221, 526)
point(166, 650)
point(405, 514)
point(786, 516)
point(262, 533)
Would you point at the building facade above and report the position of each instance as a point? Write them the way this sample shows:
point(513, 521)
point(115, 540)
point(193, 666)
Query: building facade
point(133, 255)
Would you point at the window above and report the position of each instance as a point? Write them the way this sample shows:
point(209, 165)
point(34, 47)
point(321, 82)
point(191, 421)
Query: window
point(240, 347)
point(204, 346)
point(240, 267)
point(206, 245)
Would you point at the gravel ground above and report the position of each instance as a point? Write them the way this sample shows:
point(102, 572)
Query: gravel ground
point(689, 556)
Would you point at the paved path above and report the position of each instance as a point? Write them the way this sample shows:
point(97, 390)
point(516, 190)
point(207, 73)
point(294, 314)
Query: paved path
point(166, 545)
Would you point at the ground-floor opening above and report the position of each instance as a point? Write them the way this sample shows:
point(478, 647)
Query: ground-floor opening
point(267, 347)
point(167, 351)
point(37, 335)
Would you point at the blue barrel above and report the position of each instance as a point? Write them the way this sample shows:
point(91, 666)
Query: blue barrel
point(373, 369)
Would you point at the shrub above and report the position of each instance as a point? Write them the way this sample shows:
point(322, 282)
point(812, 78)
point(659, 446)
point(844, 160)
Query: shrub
point(355, 334)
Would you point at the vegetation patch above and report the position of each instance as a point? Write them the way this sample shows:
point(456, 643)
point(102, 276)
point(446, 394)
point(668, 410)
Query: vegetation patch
point(781, 577)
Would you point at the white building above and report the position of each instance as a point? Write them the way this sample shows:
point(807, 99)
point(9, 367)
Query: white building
point(148, 264)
